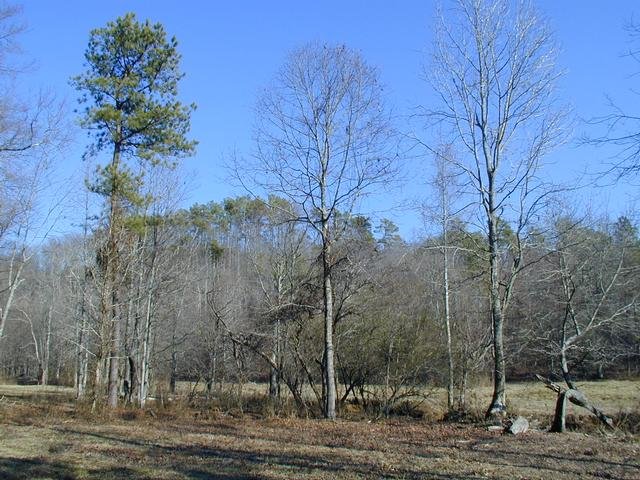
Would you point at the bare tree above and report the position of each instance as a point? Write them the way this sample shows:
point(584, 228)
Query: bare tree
point(593, 277)
point(323, 141)
point(620, 127)
point(31, 132)
point(494, 73)
point(444, 212)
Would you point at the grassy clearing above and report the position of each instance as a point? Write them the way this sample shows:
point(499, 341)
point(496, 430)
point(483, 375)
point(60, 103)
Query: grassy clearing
point(533, 398)
point(56, 439)
point(27, 391)
point(526, 398)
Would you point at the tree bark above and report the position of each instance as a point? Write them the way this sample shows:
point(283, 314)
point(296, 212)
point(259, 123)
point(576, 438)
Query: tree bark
point(576, 397)
point(447, 319)
point(329, 367)
point(14, 282)
point(146, 354)
point(111, 272)
point(114, 364)
point(498, 406)
point(46, 354)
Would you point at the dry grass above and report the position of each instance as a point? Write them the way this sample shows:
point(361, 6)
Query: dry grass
point(55, 439)
point(22, 391)
point(532, 399)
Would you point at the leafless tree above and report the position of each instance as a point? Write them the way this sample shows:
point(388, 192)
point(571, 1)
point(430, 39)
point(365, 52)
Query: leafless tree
point(620, 127)
point(494, 73)
point(444, 212)
point(31, 133)
point(323, 141)
point(593, 283)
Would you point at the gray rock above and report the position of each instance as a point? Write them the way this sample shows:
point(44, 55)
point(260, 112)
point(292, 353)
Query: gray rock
point(518, 425)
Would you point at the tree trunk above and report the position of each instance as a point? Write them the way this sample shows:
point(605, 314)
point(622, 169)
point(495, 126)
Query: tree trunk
point(111, 259)
point(447, 323)
point(146, 353)
point(498, 406)
point(329, 368)
point(559, 423)
point(98, 380)
point(133, 379)
point(462, 398)
point(174, 370)
point(274, 376)
point(82, 354)
point(274, 381)
point(564, 365)
point(82, 349)
point(14, 282)
point(114, 353)
point(46, 353)
point(173, 376)
point(576, 397)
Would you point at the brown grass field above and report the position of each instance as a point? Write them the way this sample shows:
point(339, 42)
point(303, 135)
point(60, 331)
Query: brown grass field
point(44, 436)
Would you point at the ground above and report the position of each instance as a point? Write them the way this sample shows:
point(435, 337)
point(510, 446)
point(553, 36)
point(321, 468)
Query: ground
point(57, 440)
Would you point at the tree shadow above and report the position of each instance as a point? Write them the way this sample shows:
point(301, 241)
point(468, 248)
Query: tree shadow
point(27, 469)
point(23, 469)
point(564, 464)
point(571, 463)
point(225, 462)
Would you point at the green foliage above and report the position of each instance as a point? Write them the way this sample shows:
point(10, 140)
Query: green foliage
point(506, 235)
point(388, 231)
point(215, 250)
point(138, 224)
point(472, 244)
point(120, 181)
point(240, 213)
point(130, 88)
point(202, 217)
point(353, 228)
point(625, 235)
point(129, 91)
point(245, 209)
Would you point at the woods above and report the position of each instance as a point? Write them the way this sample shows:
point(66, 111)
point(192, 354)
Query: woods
point(293, 282)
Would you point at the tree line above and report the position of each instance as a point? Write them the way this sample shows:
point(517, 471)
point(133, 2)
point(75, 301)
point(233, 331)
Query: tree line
point(289, 283)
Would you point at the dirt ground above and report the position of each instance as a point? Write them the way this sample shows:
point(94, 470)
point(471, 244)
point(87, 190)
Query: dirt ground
point(55, 443)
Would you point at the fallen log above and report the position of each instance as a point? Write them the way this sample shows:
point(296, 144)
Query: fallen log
point(576, 397)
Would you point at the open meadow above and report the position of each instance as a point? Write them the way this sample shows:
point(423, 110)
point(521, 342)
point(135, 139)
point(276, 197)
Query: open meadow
point(43, 435)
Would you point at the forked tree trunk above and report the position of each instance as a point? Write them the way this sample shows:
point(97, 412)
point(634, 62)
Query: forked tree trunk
point(576, 397)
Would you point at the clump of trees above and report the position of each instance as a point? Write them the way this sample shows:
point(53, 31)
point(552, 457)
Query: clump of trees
point(290, 284)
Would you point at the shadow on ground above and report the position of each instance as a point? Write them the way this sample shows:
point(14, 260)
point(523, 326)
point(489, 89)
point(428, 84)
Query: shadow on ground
point(347, 451)
point(202, 462)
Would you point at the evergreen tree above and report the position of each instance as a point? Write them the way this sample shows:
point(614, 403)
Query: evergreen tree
point(131, 111)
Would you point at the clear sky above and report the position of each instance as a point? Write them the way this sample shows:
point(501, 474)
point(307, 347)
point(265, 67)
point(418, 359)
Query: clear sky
point(231, 49)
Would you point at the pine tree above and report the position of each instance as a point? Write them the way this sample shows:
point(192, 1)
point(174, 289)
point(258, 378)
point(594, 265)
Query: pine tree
point(132, 112)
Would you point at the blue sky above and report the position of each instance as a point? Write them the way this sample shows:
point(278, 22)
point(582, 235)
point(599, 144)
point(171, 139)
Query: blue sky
point(232, 49)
